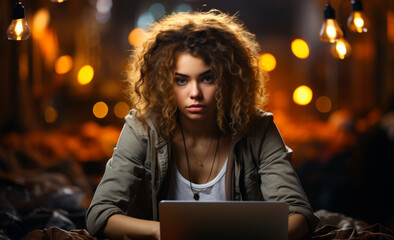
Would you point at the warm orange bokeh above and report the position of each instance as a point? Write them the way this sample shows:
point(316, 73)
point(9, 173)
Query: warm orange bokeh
point(63, 64)
point(136, 37)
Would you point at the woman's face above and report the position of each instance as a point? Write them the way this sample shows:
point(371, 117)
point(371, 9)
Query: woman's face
point(194, 88)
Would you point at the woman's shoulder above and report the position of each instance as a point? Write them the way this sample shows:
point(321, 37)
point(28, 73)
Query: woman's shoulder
point(260, 122)
point(135, 123)
point(262, 118)
point(131, 118)
point(263, 115)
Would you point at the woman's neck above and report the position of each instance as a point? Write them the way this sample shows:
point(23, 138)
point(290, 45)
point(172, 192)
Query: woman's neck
point(198, 129)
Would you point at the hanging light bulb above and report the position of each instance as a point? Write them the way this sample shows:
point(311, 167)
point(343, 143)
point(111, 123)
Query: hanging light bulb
point(18, 29)
point(58, 1)
point(357, 22)
point(330, 30)
point(340, 49)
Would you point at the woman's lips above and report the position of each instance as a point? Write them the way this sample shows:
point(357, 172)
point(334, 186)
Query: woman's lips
point(195, 108)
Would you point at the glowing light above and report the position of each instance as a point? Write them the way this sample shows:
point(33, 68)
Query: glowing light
point(121, 109)
point(300, 48)
point(85, 75)
point(49, 47)
point(18, 29)
point(63, 64)
point(267, 62)
point(136, 37)
point(58, 1)
point(323, 104)
point(340, 49)
point(50, 115)
point(40, 22)
point(330, 31)
point(100, 109)
point(302, 95)
point(357, 21)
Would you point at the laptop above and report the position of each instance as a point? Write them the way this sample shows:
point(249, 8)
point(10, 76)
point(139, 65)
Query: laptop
point(249, 220)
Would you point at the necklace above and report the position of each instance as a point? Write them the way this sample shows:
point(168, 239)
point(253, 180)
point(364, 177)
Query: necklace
point(196, 195)
point(200, 162)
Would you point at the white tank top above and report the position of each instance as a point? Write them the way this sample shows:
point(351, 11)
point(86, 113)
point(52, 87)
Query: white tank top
point(213, 190)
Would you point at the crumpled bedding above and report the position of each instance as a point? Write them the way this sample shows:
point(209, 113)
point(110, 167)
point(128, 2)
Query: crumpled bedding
point(339, 226)
point(60, 234)
point(375, 231)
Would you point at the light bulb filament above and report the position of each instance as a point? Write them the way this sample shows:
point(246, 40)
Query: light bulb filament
point(341, 48)
point(331, 32)
point(359, 22)
point(18, 27)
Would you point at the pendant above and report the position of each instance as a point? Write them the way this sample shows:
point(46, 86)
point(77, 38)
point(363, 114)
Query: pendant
point(196, 197)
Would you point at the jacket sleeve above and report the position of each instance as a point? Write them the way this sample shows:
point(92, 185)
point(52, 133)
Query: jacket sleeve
point(279, 181)
point(121, 179)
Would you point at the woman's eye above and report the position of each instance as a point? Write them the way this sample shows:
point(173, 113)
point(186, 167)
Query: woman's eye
point(207, 79)
point(180, 81)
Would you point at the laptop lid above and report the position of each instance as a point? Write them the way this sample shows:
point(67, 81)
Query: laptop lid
point(191, 220)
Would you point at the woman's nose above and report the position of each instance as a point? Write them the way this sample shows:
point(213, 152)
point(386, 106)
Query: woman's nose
point(195, 91)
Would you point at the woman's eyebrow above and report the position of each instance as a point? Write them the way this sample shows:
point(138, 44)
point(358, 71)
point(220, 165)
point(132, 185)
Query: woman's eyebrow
point(182, 75)
point(206, 72)
point(201, 74)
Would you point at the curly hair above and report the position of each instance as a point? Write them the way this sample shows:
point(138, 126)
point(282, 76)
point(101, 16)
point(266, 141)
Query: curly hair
point(222, 41)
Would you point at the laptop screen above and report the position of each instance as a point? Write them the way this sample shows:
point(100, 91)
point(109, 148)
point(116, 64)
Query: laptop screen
point(193, 220)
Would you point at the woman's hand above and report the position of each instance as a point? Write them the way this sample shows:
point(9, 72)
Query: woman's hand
point(124, 227)
point(298, 227)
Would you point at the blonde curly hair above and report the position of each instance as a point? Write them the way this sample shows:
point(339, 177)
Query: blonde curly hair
point(225, 45)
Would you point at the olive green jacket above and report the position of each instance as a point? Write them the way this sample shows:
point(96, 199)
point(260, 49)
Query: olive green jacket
point(136, 177)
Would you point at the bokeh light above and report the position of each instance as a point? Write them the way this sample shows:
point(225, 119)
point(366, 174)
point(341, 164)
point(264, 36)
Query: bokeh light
point(49, 47)
point(100, 109)
point(340, 49)
point(121, 109)
point(267, 62)
point(302, 95)
point(63, 64)
point(103, 6)
point(184, 7)
point(144, 20)
point(50, 115)
point(41, 20)
point(323, 104)
point(85, 74)
point(300, 48)
point(157, 10)
point(136, 37)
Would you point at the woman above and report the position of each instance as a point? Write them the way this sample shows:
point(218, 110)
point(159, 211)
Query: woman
point(195, 131)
